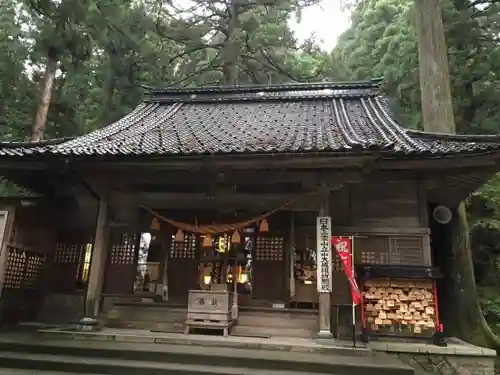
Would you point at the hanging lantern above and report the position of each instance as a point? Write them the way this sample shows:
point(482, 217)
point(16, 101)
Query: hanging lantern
point(264, 226)
point(207, 241)
point(235, 238)
point(155, 224)
point(179, 236)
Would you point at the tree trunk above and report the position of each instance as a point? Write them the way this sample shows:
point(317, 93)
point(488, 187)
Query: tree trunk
point(465, 318)
point(231, 48)
point(46, 84)
point(437, 109)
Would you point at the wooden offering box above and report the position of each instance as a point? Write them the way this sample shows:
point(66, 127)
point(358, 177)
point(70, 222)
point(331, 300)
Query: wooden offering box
point(209, 309)
point(399, 300)
point(400, 306)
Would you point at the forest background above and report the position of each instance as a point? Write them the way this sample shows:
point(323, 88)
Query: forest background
point(68, 67)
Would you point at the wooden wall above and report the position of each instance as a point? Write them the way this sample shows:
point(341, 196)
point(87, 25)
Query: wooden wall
point(388, 221)
point(28, 243)
point(378, 204)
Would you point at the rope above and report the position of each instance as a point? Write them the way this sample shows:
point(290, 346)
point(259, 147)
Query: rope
point(219, 228)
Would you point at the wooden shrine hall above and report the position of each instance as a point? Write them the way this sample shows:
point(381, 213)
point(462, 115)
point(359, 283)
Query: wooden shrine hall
point(199, 210)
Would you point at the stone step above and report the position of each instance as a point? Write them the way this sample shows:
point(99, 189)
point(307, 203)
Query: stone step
point(12, 371)
point(60, 365)
point(150, 359)
point(253, 331)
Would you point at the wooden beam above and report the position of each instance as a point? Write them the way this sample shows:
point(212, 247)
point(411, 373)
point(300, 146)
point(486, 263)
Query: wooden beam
point(444, 162)
point(265, 161)
point(228, 201)
point(130, 177)
point(372, 231)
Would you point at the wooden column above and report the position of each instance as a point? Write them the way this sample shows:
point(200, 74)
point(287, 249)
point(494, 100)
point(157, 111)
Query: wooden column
point(325, 304)
point(98, 262)
point(6, 226)
point(291, 258)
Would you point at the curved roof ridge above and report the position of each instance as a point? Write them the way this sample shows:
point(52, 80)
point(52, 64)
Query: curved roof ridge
point(344, 85)
point(28, 144)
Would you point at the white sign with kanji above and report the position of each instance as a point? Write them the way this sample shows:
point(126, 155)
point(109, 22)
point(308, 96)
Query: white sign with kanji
point(324, 254)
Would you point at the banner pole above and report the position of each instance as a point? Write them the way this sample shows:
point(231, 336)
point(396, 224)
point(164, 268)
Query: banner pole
point(353, 305)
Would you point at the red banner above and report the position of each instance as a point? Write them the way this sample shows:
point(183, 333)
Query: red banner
point(343, 246)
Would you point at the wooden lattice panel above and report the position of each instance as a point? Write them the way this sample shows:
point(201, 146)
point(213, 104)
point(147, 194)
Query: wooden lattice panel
point(23, 269)
point(14, 275)
point(33, 270)
point(407, 250)
point(374, 257)
point(67, 253)
point(185, 249)
point(269, 248)
point(123, 250)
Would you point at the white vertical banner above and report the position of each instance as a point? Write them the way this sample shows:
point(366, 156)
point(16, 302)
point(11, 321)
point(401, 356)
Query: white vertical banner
point(324, 254)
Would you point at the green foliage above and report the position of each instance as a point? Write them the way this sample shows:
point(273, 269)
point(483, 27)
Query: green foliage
point(490, 305)
point(382, 42)
point(107, 50)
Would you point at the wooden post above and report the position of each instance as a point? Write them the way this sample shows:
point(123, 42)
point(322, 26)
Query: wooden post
point(291, 259)
point(98, 262)
point(325, 304)
point(6, 226)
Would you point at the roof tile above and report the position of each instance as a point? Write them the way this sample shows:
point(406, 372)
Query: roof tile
point(269, 119)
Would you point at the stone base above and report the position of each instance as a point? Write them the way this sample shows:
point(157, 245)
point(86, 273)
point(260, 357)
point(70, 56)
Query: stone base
point(324, 335)
point(88, 325)
point(457, 358)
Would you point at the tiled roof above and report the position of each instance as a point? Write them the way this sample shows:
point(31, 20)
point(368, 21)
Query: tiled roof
point(259, 119)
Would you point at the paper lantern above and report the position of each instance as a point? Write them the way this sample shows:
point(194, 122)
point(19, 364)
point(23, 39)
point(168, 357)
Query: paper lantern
point(207, 241)
point(235, 238)
point(179, 236)
point(264, 226)
point(155, 224)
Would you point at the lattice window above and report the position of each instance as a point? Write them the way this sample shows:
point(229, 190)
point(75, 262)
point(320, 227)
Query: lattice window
point(23, 269)
point(185, 249)
point(269, 248)
point(67, 253)
point(14, 275)
point(371, 250)
point(34, 266)
point(406, 250)
point(123, 250)
point(373, 257)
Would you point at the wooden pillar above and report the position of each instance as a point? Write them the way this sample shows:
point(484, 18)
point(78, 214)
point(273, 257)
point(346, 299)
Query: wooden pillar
point(98, 262)
point(6, 226)
point(291, 258)
point(325, 330)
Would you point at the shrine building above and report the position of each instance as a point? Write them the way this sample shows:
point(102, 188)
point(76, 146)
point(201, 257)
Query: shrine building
point(199, 209)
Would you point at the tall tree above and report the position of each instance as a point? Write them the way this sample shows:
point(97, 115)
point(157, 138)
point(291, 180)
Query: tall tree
point(437, 114)
point(60, 28)
point(229, 42)
point(16, 88)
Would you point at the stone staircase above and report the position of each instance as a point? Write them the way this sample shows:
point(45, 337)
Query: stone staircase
point(37, 355)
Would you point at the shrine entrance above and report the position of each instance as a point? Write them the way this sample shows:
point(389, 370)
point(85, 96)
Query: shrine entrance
point(227, 260)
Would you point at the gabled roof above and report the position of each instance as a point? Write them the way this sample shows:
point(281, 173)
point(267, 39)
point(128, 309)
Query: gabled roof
point(296, 118)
